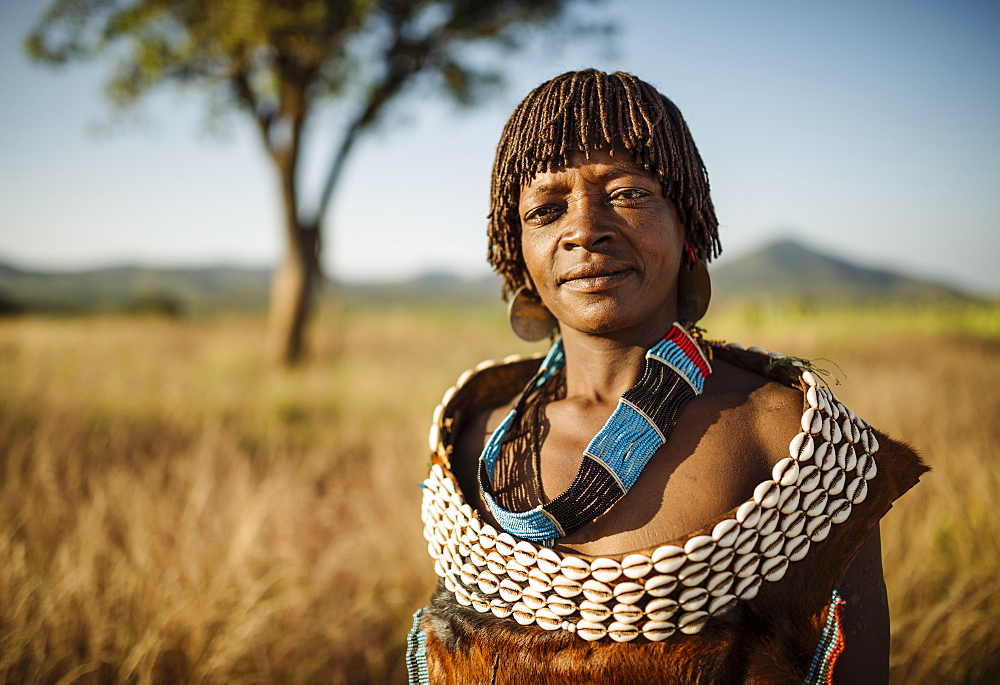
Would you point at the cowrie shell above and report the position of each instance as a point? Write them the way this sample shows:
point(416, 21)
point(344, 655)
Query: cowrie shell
point(523, 614)
point(693, 598)
point(627, 613)
point(469, 573)
point(801, 447)
point(772, 544)
point(721, 604)
point(825, 457)
point(773, 569)
point(660, 586)
point(789, 500)
point(539, 580)
point(604, 569)
point(692, 622)
point(496, 563)
point(839, 510)
point(746, 565)
point(812, 421)
point(499, 608)
point(596, 591)
point(722, 558)
point(814, 503)
point(509, 590)
point(566, 587)
point(699, 548)
point(766, 494)
point(516, 571)
point(488, 536)
point(560, 606)
point(847, 458)
point(668, 558)
point(548, 560)
point(851, 431)
point(720, 583)
point(505, 544)
point(818, 528)
point(693, 574)
point(636, 565)
point(786, 472)
point(796, 547)
point(547, 619)
point(594, 612)
point(809, 378)
point(757, 348)
point(487, 582)
point(826, 431)
point(833, 480)
point(768, 522)
point(479, 603)
point(747, 588)
point(792, 524)
point(628, 592)
point(657, 631)
point(575, 568)
point(525, 553)
point(725, 532)
point(622, 632)
point(590, 630)
point(662, 609)
point(857, 490)
point(532, 598)
point(809, 478)
point(748, 514)
point(866, 467)
point(812, 397)
point(746, 541)
point(462, 596)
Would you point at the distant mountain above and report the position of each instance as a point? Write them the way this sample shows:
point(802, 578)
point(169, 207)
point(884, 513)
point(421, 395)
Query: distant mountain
point(782, 271)
point(786, 270)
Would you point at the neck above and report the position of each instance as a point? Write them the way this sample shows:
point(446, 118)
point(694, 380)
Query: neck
point(600, 369)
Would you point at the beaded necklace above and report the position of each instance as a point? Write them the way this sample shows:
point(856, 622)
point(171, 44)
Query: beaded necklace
point(675, 372)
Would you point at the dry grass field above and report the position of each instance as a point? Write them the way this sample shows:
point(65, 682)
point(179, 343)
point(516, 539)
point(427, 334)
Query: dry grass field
point(172, 510)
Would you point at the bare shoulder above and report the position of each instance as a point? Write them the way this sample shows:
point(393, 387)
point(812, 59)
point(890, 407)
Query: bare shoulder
point(765, 413)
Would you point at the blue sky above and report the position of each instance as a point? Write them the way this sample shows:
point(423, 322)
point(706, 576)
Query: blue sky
point(868, 129)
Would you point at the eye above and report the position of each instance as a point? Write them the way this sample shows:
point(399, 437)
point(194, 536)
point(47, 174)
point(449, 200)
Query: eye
point(627, 196)
point(539, 216)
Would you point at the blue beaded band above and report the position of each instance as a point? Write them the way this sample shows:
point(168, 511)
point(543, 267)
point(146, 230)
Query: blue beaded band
point(831, 644)
point(675, 371)
point(416, 653)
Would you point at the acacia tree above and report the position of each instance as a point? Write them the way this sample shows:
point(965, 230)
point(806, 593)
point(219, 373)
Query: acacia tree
point(281, 61)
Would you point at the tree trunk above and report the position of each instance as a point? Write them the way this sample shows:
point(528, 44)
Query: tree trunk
point(293, 289)
point(295, 279)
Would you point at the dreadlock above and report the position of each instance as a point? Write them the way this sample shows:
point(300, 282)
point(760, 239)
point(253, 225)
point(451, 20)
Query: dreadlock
point(586, 111)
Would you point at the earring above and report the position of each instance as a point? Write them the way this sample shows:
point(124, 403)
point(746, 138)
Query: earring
point(694, 289)
point(529, 318)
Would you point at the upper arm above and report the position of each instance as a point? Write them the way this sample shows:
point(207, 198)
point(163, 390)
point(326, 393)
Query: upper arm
point(866, 618)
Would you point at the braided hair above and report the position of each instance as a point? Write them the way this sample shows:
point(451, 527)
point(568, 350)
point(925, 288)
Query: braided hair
point(586, 111)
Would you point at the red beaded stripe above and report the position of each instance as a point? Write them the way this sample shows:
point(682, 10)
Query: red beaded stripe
point(690, 350)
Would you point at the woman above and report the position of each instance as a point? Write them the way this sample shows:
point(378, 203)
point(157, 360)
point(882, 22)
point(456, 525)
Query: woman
point(641, 506)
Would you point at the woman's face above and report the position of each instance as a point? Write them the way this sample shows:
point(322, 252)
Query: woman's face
point(603, 247)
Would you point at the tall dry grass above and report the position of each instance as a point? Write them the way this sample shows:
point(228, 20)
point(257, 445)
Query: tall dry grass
point(171, 510)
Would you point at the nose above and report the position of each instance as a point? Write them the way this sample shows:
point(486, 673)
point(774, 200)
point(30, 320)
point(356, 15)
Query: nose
point(588, 225)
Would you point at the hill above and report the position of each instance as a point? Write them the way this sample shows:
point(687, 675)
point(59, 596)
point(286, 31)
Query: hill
point(786, 270)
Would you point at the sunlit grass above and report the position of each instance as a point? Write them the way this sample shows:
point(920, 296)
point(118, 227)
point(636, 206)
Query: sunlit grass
point(172, 510)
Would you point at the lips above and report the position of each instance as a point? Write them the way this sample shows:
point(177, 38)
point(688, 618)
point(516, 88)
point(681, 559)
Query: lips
point(595, 272)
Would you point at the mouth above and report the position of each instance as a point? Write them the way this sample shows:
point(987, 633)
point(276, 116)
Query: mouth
point(591, 278)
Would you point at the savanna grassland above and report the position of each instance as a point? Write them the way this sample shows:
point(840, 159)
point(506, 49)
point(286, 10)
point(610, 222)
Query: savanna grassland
point(174, 510)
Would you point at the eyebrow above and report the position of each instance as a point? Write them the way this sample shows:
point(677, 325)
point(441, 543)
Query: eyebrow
point(611, 172)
